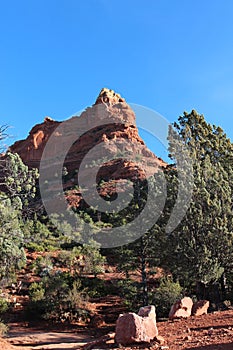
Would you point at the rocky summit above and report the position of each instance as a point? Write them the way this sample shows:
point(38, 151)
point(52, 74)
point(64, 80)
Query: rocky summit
point(104, 136)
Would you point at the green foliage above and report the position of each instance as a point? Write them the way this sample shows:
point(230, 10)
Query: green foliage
point(65, 258)
point(36, 291)
point(201, 248)
point(38, 236)
point(18, 181)
point(93, 261)
point(130, 291)
point(42, 266)
point(4, 305)
point(83, 260)
point(164, 296)
point(97, 288)
point(12, 255)
point(57, 297)
point(3, 329)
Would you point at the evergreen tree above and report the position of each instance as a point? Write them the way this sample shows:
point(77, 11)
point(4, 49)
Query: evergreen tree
point(17, 185)
point(201, 248)
point(17, 180)
point(12, 254)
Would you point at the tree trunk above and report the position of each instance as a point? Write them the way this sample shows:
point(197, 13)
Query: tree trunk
point(223, 283)
point(200, 290)
point(144, 276)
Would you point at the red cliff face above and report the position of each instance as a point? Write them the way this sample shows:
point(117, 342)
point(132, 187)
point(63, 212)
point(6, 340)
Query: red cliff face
point(31, 149)
point(108, 122)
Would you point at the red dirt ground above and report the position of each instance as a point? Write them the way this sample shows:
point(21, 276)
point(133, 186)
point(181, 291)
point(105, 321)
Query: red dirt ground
point(208, 332)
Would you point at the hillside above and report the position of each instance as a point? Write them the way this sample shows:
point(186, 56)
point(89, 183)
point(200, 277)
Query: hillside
point(61, 287)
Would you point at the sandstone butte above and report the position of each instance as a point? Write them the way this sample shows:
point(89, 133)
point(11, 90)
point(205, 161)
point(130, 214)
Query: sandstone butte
point(110, 122)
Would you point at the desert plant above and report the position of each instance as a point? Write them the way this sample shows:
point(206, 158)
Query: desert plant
point(36, 291)
point(4, 305)
point(3, 329)
point(165, 295)
point(130, 291)
point(58, 297)
point(42, 266)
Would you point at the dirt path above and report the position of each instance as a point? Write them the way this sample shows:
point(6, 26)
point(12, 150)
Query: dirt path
point(209, 332)
point(30, 338)
point(50, 340)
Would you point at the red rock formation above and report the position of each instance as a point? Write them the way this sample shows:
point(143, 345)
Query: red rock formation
point(30, 150)
point(110, 122)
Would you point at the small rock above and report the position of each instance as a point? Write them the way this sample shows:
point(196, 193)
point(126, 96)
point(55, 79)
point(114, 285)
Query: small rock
point(188, 337)
point(159, 339)
point(181, 309)
point(200, 307)
point(210, 331)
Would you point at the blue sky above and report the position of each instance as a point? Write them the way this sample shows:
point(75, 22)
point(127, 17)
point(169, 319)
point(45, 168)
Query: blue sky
point(168, 55)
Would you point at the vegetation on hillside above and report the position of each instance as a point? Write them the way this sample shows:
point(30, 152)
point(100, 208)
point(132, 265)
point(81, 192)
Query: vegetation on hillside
point(194, 259)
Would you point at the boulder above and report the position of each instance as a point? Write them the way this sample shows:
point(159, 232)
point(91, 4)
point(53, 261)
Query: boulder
point(133, 328)
point(200, 307)
point(181, 309)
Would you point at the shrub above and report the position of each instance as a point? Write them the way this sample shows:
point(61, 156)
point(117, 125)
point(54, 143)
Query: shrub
point(4, 305)
point(96, 288)
point(42, 266)
point(36, 291)
point(3, 329)
point(57, 297)
point(88, 260)
point(35, 247)
point(165, 295)
point(130, 291)
point(65, 258)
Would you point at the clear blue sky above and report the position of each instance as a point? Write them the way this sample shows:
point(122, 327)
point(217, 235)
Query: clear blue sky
point(168, 55)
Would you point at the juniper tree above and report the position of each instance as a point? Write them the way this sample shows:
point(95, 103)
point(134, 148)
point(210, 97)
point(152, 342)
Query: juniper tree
point(201, 248)
point(12, 254)
point(17, 180)
point(17, 185)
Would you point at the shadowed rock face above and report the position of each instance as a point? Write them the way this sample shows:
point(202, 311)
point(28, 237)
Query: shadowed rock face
point(200, 307)
point(110, 122)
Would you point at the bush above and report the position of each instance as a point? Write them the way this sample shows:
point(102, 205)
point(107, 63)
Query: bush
point(36, 291)
point(42, 266)
point(82, 260)
point(35, 247)
point(164, 296)
point(3, 329)
point(4, 305)
point(65, 259)
point(130, 291)
point(87, 260)
point(97, 288)
point(57, 297)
